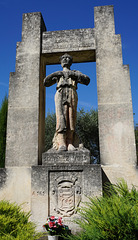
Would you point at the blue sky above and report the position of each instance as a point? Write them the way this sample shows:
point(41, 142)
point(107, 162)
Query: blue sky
point(61, 15)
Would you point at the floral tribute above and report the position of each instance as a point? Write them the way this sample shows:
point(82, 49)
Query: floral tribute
point(55, 226)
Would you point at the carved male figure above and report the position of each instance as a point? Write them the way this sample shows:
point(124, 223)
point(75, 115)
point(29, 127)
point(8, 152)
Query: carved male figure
point(66, 99)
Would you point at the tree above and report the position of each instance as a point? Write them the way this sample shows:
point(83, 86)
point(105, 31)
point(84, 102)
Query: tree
point(3, 127)
point(50, 126)
point(86, 128)
point(111, 217)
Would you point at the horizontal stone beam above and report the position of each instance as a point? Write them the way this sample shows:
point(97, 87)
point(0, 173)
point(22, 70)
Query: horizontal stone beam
point(79, 43)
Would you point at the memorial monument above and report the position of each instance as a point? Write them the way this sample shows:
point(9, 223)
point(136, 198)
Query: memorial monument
point(56, 183)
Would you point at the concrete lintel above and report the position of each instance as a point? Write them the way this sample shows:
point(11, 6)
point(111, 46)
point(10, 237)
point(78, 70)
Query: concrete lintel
point(78, 57)
point(80, 43)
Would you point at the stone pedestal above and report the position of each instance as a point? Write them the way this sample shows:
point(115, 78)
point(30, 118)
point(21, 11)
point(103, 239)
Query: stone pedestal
point(68, 157)
point(62, 184)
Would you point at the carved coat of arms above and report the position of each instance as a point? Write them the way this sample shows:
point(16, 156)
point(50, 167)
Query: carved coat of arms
point(68, 195)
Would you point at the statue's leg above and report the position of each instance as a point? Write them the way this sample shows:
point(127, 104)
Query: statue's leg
point(60, 112)
point(72, 120)
point(61, 137)
point(60, 122)
point(70, 141)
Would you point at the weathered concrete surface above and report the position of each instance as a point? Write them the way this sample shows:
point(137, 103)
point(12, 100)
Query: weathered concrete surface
point(79, 43)
point(69, 157)
point(116, 172)
point(39, 195)
point(61, 188)
point(15, 186)
point(115, 114)
point(26, 102)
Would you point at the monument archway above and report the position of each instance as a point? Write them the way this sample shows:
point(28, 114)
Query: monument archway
point(23, 180)
point(39, 48)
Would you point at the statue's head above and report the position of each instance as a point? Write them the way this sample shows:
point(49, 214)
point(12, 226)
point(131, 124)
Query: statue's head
point(66, 60)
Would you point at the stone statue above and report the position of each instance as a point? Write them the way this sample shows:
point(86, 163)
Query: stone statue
point(66, 99)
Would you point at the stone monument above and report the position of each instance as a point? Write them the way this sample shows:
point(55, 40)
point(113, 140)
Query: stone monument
point(57, 182)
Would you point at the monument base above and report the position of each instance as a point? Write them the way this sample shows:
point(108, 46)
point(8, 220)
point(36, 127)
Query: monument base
point(58, 187)
point(61, 187)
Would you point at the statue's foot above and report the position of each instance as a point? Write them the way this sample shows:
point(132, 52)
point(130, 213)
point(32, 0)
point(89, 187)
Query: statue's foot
point(71, 148)
point(62, 148)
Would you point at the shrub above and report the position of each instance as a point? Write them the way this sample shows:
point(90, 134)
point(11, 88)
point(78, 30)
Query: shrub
point(114, 216)
point(14, 223)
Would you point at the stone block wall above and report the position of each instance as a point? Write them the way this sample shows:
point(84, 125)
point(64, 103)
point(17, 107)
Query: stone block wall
point(115, 114)
point(26, 102)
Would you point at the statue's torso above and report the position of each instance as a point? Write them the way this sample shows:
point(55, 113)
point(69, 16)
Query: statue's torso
point(66, 82)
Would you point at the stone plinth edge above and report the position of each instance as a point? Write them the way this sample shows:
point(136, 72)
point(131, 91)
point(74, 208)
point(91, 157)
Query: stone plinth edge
point(70, 157)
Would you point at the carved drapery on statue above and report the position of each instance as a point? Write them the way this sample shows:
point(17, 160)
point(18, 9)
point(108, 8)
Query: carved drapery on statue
point(66, 99)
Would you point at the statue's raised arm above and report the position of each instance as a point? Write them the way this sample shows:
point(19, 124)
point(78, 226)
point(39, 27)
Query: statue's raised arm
point(66, 99)
point(52, 78)
point(81, 78)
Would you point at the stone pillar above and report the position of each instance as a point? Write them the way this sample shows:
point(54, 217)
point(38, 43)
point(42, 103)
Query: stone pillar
point(26, 110)
point(116, 128)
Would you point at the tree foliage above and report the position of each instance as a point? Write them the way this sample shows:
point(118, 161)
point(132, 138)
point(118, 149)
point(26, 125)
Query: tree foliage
point(50, 126)
point(3, 127)
point(15, 224)
point(110, 217)
point(86, 128)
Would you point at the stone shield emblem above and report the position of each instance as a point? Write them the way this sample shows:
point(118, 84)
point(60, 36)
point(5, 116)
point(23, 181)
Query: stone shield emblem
point(66, 198)
point(65, 195)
